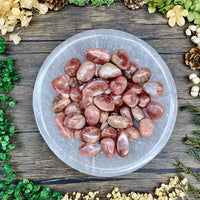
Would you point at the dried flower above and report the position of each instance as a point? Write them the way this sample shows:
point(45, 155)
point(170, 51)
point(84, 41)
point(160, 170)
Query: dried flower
point(192, 58)
point(15, 38)
point(18, 12)
point(176, 15)
point(172, 191)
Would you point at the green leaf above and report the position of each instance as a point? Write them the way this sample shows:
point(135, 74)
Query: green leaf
point(197, 7)
point(188, 3)
point(2, 156)
point(11, 146)
point(191, 16)
point(197, 21)
point(151, 9)
point(79, 2)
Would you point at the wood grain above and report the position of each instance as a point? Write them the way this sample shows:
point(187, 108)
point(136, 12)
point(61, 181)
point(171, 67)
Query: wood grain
point(32, 158)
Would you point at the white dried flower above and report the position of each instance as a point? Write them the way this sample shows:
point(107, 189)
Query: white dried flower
point(193, 38)
point(15, 38)
point(198, 30)
point(197, 40)
point(188, 32)
point(43, 8)
point(195, 88)
point(191, 76)
point(196, 80)
point(193, 94)
point(192, 28)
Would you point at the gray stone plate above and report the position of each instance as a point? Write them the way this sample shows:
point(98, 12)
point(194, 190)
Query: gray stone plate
point(141, 151)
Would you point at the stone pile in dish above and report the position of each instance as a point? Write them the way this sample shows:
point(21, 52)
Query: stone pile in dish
point(99, 100)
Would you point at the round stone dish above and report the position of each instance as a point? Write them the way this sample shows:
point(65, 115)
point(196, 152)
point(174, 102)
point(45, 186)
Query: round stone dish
point(141, 151)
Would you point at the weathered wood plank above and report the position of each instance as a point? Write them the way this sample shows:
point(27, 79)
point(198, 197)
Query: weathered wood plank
point(32, 157)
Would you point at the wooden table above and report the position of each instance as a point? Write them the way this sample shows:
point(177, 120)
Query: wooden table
point(32, 157)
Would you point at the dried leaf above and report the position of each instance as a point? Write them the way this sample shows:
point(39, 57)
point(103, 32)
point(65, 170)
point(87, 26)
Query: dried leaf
point(2, 21)
point(16, 11)
point(28, 13)
point(43, 8)
point(15, 38)
point(26, 21)
point(10, 28)
point(3, 31)
point(27, 3)
point(6, 6)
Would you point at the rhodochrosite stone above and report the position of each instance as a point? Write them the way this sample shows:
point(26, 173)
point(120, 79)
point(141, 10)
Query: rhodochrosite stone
point(122, 144)
point(61, 86)
point(89, 149)
point(72, 66)
point(155, 110)
point(108, 147)
point(98, 56)
point(142, 75)
point(104, 102)
point(92, 115)
point(153, 88)
point(59, 120)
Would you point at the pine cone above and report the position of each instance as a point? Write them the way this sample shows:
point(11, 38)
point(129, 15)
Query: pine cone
point(56, 4)
point(192, 58)
point(134, 4)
